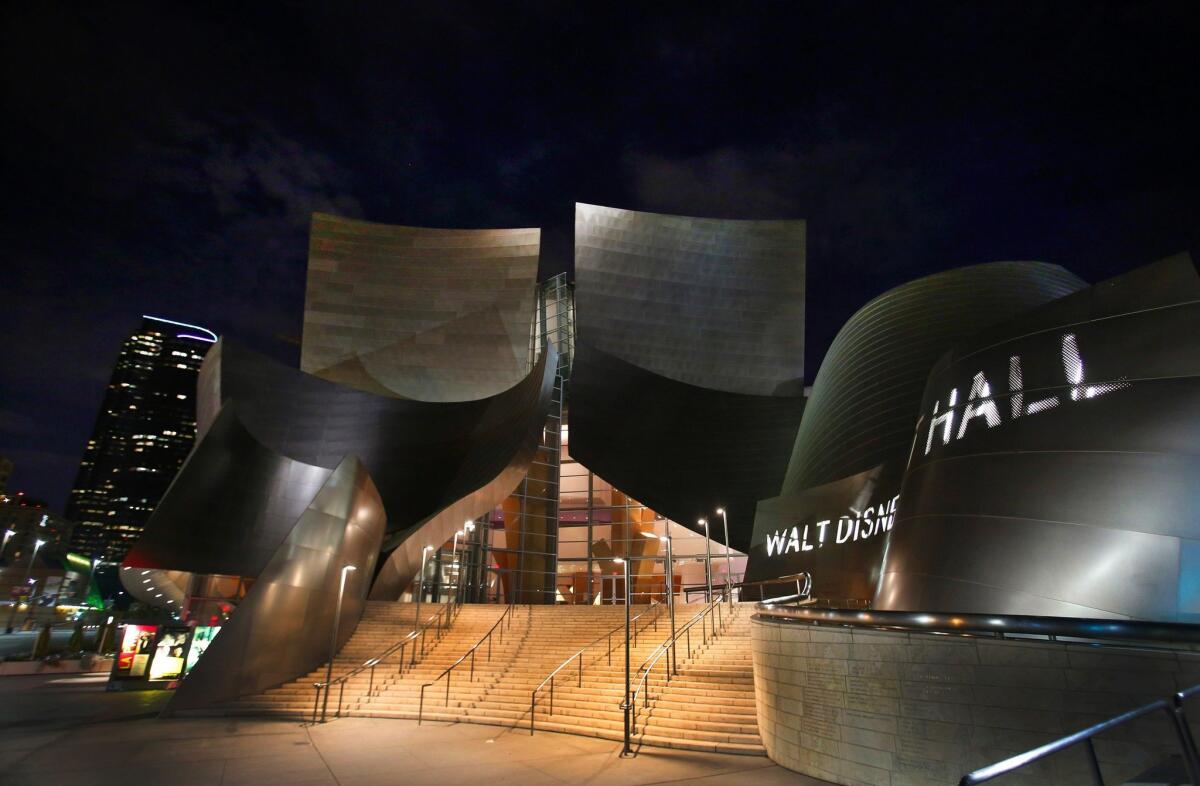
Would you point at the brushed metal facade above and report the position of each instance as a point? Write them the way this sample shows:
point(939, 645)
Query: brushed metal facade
point(712, 303)
point(679, 449)
point(853, 441)
point(1063, 475)
point(426, 314)
point(231, 505)
point(282, 628)
point(835, 532)
point(279, 433)
point(865, 398)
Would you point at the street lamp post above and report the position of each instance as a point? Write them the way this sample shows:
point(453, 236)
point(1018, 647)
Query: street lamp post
point(728, 561)
point(420, 589)
point(8, 535)
point(337, 619)
point(670, 592)
point(628, 749)
point(707, 559)
point(12, 610)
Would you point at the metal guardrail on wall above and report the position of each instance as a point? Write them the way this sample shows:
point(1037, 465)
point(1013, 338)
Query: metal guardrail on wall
point(992, 625)
point(1061, 629)
point(1173, 708)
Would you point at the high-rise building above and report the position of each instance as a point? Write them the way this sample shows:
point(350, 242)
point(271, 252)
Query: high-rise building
point(143, 433)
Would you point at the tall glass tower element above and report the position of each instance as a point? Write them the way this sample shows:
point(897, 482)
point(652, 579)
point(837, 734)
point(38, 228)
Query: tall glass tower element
point(142, 435)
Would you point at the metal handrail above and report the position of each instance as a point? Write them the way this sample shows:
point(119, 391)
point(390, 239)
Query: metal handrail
point(990, 625)
point(1173, 709)
point(371, 663)
point(803, 580)
point(631, 702)
point(579, 654)
point(507, 615)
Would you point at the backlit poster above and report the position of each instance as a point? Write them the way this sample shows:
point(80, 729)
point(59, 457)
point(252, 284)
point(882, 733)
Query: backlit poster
point(201, 638)
point(168, 654)
point(136, 647)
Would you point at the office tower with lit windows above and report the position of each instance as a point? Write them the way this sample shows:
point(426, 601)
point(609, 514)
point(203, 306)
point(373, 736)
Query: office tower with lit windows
point(144, 431)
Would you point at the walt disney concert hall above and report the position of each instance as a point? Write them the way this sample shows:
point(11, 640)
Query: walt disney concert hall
point(613, 506)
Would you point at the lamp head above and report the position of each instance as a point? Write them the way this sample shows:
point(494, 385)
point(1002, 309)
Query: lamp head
point(40, 543)
point(346, 568)
point(619, 560)
point(469, 526)
point(720, 511)
point(427, 548)
point(703, 522)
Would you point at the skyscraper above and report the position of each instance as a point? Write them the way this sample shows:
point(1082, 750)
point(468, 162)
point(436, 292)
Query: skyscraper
point(143, 432)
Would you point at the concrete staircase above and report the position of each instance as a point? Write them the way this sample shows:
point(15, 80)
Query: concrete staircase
point(708, 706)
point(539, 639)
point(383, 624)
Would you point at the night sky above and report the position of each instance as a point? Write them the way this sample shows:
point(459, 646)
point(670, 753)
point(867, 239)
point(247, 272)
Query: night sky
point(165, 160)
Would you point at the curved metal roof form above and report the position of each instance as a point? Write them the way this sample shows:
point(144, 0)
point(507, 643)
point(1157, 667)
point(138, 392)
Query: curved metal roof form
point(867, 394)
point(412, 312)
point(1056, 462)
point(423, 457)
point(687, 383)
point(708, 302)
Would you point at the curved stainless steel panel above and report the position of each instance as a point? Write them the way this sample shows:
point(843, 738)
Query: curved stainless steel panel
point(424, 457)
point(679, 449)
point(231, 505)
point(835, 532)
point(857, 429)
point(1055, 466)
point(295, 598)
point(427, 314)
point(479, 485)
point(711, 303)
point(867, 393)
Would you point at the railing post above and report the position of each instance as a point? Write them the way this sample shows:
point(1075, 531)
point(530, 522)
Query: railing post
point(1186, 742)
point(532, 701)
point(1093, 762)
point(421, 706)
point(472, 665)
point(581, 668)
point(316, 701)
point(551, 695)
point(341, 697)
point(371, 683)
point(448, 674)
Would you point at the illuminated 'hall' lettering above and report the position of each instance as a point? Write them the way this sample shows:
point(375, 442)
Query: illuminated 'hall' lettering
point(980, 389)
point(946, 420)
point(981, 404)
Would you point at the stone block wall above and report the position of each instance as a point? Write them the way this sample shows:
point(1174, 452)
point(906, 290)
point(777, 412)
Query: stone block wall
point(909, 709)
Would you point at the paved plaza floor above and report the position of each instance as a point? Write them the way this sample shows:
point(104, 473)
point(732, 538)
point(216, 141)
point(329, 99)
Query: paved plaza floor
point(68, 730)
